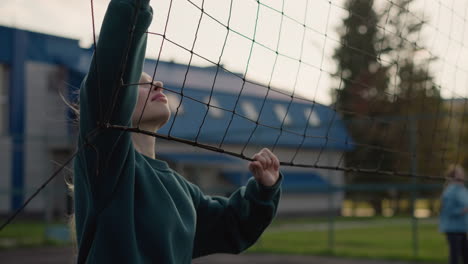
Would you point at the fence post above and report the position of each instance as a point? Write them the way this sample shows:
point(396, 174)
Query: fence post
point(331, 218)
point(414, 181)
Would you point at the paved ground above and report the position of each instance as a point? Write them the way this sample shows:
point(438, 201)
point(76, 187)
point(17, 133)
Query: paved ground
point(65, 255)
point(283, 259)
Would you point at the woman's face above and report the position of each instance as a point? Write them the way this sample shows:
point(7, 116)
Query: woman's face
point(459, 174)
point(152, 106)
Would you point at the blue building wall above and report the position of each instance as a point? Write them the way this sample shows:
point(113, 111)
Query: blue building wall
point(22, 46)
point(18, 48)
point(330, 133)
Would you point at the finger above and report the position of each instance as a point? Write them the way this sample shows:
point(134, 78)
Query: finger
point(268, 152)
point(274, 158)
point(269, 161)
point(270, 155)
point(276, 164)
point(255, 167)
point(260, 158)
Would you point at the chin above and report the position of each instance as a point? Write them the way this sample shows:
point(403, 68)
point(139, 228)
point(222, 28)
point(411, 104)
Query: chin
point(160, 120)
point(153, 118)
point(163, 122)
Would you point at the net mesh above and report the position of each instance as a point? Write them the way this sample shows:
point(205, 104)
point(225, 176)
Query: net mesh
point(389, 71)
point(380, 83)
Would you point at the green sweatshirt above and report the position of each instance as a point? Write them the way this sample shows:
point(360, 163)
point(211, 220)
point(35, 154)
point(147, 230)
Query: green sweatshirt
point(130, 208)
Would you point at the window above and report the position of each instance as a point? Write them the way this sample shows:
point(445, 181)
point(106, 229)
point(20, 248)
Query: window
point(314, 119)
point(4, 87)
point(249, 110)
point(282, 113)
point(214, 111)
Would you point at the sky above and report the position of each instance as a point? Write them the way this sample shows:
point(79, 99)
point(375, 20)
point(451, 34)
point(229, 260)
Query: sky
point(303, 64)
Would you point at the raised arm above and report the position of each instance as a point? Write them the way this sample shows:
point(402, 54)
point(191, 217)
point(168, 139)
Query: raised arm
point(104, 97)
point(117, 61)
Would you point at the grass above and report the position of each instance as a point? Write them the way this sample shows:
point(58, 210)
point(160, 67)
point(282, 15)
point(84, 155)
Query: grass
point(393, 242)
point(26, 234)
point(389, 239)
point(339, 219)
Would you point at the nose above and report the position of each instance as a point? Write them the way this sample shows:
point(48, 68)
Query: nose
point(158, 86)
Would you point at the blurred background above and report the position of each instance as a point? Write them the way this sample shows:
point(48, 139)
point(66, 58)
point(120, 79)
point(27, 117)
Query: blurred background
point(373, 91)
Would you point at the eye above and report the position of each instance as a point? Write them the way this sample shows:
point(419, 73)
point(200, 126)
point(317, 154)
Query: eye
point(145, 86)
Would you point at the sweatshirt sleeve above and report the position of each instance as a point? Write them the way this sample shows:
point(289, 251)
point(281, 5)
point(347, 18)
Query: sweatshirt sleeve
point(117, 60)
point(231, 225)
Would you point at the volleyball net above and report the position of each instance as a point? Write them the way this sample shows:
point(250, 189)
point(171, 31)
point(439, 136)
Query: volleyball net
point(380, 84)
point(383, 83)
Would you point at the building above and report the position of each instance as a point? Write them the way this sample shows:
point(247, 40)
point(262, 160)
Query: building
point(37, 132)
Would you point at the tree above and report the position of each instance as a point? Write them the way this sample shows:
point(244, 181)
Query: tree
point(416, 97)
point(357, 59)
point(361, 95)
point(386, 92)
point(456, 127)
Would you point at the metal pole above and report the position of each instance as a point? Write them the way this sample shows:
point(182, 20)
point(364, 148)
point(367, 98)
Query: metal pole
point(331, 218)
point(414, 181)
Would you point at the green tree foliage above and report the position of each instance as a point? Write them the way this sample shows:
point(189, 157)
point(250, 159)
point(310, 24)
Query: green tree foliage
point(363, 81)
point(417, 108)
point(362, 92)
point(360, 73)
point(457, 138)
point(387, 95)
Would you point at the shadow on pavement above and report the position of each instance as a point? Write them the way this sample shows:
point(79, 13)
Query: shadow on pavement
point(64, 255)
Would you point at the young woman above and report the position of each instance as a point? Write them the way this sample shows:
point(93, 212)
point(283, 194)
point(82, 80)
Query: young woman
point(129, 206)
point(454, 215)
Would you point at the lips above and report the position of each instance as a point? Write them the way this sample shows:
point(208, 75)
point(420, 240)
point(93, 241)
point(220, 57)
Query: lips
point(159, 97)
